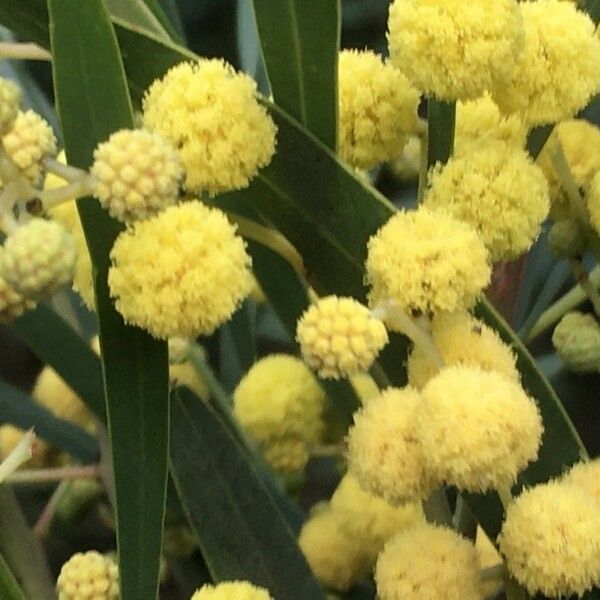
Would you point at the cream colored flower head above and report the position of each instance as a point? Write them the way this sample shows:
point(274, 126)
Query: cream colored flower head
point(10, 98)
point(378, 109)
point(576, 340)
point(497, 189)
point(477, 429)
point(231, 590)
point(88, 576)
point(558, 70)
point(452, 49)
point(212, 116)
point(338, 337)
point(12, 303)
point(384, 450)
point(586, 476)
point(462, 340)
point(551, 540)
point(183, 272)
point(428, 562)
point(426, 261)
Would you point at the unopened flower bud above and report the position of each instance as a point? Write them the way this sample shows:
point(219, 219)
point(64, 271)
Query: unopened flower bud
point(577, 341)
point(566, 239)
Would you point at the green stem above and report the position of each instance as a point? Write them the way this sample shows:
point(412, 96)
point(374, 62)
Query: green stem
point(220, 396)
point(423, 164)
point(513, 590)
point(436, 509)
point(378, 373)
point(53, 475)
point(23, 51)
point(583, 278)
point(497, 572)
point(464, 522)
point(505, 495)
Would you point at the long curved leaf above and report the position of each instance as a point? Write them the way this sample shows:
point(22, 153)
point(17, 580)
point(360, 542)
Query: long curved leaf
point(9, 588)
point(93, 101)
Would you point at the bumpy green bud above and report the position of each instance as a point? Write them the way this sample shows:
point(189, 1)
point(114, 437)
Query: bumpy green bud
point(566, 239)
point(10, 97)
point(577, 341)
point(12, 304)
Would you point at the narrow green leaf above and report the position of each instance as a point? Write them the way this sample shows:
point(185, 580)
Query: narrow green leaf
point(93, 101)
point(138, 14)
point(241, 532)
point(167, 17)
point(441, 117)
point(537, 138)
point(9, 588)
point(20, 410)
point(592, 7)
point(300, 40)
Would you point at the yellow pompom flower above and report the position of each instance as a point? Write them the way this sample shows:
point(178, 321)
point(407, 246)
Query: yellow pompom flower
point(452, 49)
point(462, 340)
point(426, 261)
point(558, 70)
point(231, 590)
point(12, 304)
point(338, 337)
point(211, 114)
point(498, 190)
point(378, 108)
point(88, 576)
point(576, 339)
point(551, 540)
point(477, 429)
point(280, 404)
point(336, 559)
point(38, 258)
point(370, 520)
point(30, 140)
point(428, 562)
point(384, 451)
point(196, 281)
point(585, 475)
point(10, 98)
point(137, 174)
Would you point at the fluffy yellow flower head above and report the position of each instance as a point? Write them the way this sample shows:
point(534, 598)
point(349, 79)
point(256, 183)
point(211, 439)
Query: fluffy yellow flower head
point(462, 340)
point(426, 562)
point(426, 261)
point(88, 576)
point(453, 49)
point(338, 337)
point(370, 520)
point(585, 475)
point(577, 341)
point(137, 174)
point(558, 70)
point(280, 404)
point(481, 119)
point(211, 114)
point(193, 284)
point(593, 202)
point(231, 590)
point(12, 304)
point(551, 540)
point(378, 108)
point(497, 189)
point(10, 98)
point(384, 451)
point(29, 141)
point(38, 258)
point(336, 559)
point(478, 429)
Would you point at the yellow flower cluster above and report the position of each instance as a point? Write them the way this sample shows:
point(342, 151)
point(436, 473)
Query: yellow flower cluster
point(338, 337)
point(495, 187)
point(280, 404)
point(10, 98)
point(576, 339)
point(551, 540)
point(211, 114)
point(137, 174)
point(12, 304)
point(29, 140)
point(231, 590)
point(426, 261)
point(558, 70)
point(88, 576)
point(585, 475)
point(378, 108)
point(428, 562)
point(452, 49)
point(462, 340)
point(196, 281)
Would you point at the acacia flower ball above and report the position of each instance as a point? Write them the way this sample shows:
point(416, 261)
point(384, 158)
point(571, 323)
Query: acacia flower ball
point(88, 576)
point(498, 190)
point(137, 174)
point(428, 562)
point(462, 340)
point(426, 261)
point(211, 114)
point(28, 142)
point(196, 281)
point(10, 98)
point(558, 70)
point(12, 304)
point(551, 540)
point(567, 238)
point(452, 49)
point(478, 429)
point(38, 258)
point(378, 108)
point(338, 337)
point(576, 339)
point(231, 590)
point(384, 451)
point(585, 475)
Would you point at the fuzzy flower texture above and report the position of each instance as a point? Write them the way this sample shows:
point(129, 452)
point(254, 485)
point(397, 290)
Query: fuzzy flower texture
point(88, 576)
point(231, 590)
